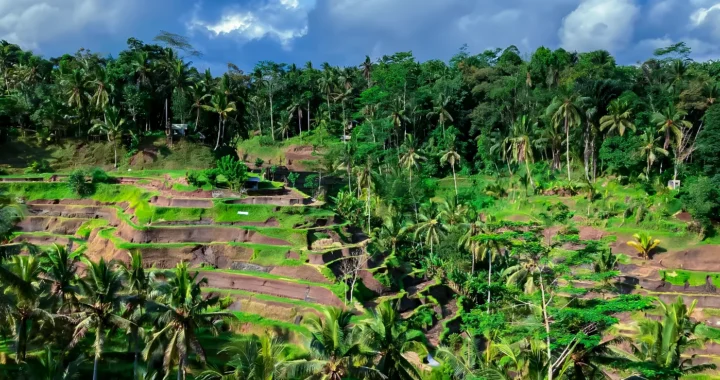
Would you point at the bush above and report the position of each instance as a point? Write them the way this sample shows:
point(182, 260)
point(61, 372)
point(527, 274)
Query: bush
point(99, 176)
point(79, 185)
point(259, 162)
point(41, 166)
point(233, 170)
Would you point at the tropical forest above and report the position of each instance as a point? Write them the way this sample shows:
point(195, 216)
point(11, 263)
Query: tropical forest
point(503, 214)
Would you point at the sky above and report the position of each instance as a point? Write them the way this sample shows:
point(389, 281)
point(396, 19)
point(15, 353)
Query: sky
point(342, 32)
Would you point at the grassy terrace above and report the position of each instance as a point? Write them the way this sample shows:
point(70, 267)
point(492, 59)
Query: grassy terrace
point(264, 297)
point(265, 255)
point(337, 289)
point(694, 278)
point(221, 212)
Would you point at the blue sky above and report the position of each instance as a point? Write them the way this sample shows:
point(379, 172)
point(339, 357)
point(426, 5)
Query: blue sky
point(342, 32)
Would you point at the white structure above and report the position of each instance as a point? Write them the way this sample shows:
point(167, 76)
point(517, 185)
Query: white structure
point(673, 185)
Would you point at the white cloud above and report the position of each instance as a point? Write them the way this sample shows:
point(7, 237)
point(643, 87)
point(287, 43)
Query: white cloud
point(283, 20)
point(30, 23)
point(599, 24)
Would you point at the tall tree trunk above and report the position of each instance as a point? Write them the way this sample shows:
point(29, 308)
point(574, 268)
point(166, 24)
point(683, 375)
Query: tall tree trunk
point(299, 111)
point(21, 344)
point(217, 144)
point(257, 113)
point(529, 175)
point(272, 120)
point(136, 343)
point(308, 118)
point(567, 147)
point(546, 321)
point(586, 155)
point(115, 148)
point(489, 253)
point(197, 119)
point(180, 374)
point(594, 157)
point(455, 180)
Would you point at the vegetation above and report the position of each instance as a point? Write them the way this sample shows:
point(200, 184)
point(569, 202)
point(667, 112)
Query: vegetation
point(463, 215)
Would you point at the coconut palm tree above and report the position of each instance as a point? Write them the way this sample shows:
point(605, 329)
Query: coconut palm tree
point(410, 159)
point(384, 332)
point(431, 228)
point(254, 358)
point(52, 367)
point(670, 122)
point(662, 343)
point(519, 142)
point(99, 306)
point(650, 150)
point(618, 117)
point(644, 244)
point(59, 267)
point(326, 83)
point(141, 66)
point(283, 128)
point(219, 104)
point(102, 85)
point(451, 157)
point(440, 111)
point(20, 278)
point(113, 126)
point(139, 288)
point(335, 350)
point(75, 89)
point(199, 94)
point(181, 310)
point(366, 68)
point(566, 111)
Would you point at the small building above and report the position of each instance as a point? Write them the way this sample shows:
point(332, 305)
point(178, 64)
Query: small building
point(252, 183)
point(673, 185)
point(179, 129)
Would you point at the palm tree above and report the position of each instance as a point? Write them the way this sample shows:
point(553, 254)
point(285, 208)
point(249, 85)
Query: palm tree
point(644, 244)
point(75, 87)
point(366, 67)
point(410, 159)
point(102, 84)
point(662, 343)
point(618, 117)
point(139, 286)
point(390, 232)
point(254, 358)
point(335, 350)
point(284, 126)
point(650, 150)
point(50, 367)
point(389, 338)
point(181, 310)
point(141, 67)
point(452, 213)
point(325, 84)
point(565, 111)
point(451, 157)
point(669, 122)
point(397, 116)
point(113, 126)
point(365, 182)
point(219, 104)
point(440, 111)
point(59, 267)
point(21, 281)
point(431, 228)
point(99, 306)
point(519, 142)
point(199, 94)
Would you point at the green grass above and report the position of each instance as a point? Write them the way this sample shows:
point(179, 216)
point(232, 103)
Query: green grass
point(287, 217)
point(679, 277)
point(269, 276)
point(31, 191)
point(257, 320)
point(265, 297)
point(87, 227)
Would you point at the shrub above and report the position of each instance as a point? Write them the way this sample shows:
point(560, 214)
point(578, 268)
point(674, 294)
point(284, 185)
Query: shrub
point(41, 166)
point(233, 170)
point(79, 184)
point(292, 178)
point(259, 162)
point(99, 176)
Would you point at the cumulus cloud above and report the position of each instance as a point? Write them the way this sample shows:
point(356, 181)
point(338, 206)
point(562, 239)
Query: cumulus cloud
point(599, 24)
point(30, 23)
point(282, 20)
